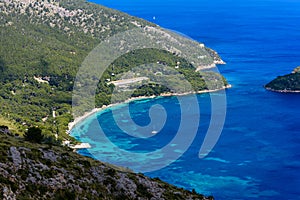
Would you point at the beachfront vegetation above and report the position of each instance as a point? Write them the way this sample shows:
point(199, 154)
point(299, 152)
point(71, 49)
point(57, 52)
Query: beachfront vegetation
point(43, 43)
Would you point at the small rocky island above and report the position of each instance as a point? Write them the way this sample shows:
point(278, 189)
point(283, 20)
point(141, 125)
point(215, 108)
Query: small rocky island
point(286, 83)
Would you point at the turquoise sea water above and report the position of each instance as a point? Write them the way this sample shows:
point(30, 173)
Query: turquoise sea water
point(258, 153)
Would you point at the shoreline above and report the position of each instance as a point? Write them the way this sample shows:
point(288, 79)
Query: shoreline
point(72, 124)
point(282, 91)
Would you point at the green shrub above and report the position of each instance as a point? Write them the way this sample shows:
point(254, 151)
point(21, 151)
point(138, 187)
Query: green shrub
point(34, 134)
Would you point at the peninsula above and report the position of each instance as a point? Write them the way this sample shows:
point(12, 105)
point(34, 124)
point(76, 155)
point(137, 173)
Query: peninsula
point(43, 44)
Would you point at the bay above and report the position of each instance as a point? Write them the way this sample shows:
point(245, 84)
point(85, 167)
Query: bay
point(257, 155)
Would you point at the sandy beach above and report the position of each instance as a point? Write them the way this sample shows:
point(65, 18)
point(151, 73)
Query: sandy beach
point(95, 110)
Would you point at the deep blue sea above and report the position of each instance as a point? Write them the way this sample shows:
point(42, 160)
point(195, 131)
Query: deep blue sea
point(258, 152)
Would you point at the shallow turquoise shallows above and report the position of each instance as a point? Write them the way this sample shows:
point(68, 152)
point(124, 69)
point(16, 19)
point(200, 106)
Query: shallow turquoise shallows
point(258, 153)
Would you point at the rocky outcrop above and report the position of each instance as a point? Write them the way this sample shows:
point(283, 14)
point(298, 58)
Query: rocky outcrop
point(216, 57)
point(296, 70)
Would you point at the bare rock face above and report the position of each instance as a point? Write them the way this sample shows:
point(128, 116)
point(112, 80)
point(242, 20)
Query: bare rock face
point(8, 194)
point(16, 157)
point(296, 70)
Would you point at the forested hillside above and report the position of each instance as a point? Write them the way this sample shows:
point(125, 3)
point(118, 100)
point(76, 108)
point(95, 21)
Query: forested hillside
point(44, 42)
